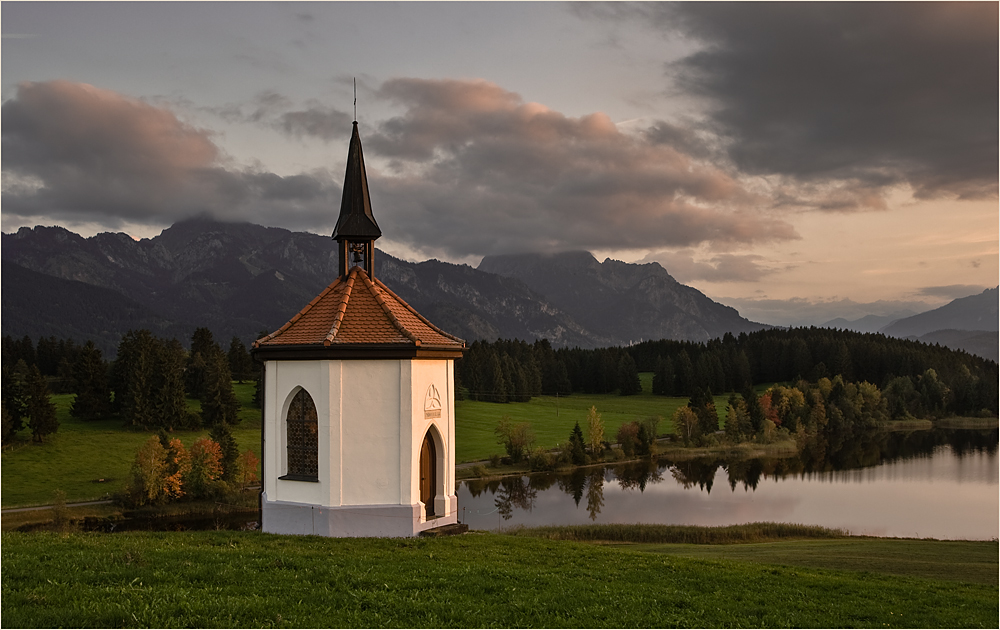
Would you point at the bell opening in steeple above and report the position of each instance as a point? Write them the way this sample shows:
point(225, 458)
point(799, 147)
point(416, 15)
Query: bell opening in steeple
point(356, 229)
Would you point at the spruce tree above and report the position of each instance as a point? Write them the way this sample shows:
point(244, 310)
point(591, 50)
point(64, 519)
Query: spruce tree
point(90, 384)
point(684, 370)
point(240, 364)
point(577, 446)
point(133, 377)
point(14, 399)
point(41, 412)
point(221, 435)
point(628, 376)
point(754, 410)
point(218, 402)
point(169, 405)
point(203, 347)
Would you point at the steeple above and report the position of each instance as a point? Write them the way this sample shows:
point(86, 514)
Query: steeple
point(356, 229)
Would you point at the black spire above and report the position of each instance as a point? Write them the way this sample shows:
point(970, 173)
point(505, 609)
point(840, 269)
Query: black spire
point(356, 229)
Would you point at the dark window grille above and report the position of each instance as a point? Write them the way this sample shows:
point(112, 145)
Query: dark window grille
point(303, 438)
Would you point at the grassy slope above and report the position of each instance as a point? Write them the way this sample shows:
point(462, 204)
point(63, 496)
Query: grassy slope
point(245, 579)
point(80, 453)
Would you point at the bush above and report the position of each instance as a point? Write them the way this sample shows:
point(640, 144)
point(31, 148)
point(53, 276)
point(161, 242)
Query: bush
point(628, 438)
point(542, 460)
point(515, 438)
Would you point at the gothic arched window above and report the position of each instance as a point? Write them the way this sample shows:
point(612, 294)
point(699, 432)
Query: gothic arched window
point(302, 438)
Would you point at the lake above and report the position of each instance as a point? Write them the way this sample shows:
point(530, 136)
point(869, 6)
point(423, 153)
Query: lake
point(923, 484)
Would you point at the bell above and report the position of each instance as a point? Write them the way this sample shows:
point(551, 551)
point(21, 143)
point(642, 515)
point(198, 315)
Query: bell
point(356, 250)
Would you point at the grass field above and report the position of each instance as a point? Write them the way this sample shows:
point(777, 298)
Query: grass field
point(80, 453)
point(247, 579)
point(553, 418)
point(952, 560)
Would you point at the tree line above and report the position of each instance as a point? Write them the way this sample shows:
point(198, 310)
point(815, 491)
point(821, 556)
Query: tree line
point(146, 386)
point(514, 371)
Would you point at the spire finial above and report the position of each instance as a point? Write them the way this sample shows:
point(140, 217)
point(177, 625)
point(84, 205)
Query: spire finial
point(355, 99)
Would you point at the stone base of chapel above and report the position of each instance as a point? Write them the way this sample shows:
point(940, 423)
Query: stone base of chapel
point(353, 521)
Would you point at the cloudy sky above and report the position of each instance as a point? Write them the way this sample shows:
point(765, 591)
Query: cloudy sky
point(797, 161)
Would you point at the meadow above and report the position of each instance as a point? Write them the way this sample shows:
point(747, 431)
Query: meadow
point(90, 460)
point(249, 579)
point(552, 418)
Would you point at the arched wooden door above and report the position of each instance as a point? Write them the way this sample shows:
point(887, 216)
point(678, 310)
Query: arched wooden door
point(428, 474)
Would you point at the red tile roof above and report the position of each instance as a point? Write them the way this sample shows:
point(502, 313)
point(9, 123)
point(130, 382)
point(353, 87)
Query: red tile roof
point(358, 311)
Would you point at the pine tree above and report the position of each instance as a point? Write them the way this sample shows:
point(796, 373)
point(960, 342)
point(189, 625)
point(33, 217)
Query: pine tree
point(754, 410)
point(14, 398)
point(169, 405)
point(240, 364)
point(628, 376)
point(218, 402)
point(90, 384)
point(684, 370)
point(41, 412)
point(203, 347)
point(221, 435)
point(133, 378)
point(577, 446)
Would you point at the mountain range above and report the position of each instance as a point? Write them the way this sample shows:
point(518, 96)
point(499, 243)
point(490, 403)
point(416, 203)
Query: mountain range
point(969, 323)
point(239, 279)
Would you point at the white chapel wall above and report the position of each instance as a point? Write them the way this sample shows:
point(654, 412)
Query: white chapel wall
point(284, 378)
point(370, 430)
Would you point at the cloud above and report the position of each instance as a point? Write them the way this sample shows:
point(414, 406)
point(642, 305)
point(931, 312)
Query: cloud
point(77, 153)
point(273, 110)
point(473, 169)
point(843, 95)
point(721, 268)
point(951, 291)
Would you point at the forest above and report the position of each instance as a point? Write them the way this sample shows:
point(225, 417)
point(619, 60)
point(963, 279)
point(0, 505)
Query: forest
point(147, 383)
point(515, 371)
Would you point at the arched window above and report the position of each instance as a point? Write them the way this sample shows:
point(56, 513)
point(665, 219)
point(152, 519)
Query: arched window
point(302, 438)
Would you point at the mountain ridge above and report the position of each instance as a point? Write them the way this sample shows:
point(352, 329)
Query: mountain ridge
point(239, 278)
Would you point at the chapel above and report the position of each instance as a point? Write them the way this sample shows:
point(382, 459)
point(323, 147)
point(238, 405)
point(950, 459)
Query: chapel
point(358, 404)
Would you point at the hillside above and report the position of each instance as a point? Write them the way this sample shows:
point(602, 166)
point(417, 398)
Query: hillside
point(623, 301)
point(239, 279)
point(42, 305)
point(976, 312)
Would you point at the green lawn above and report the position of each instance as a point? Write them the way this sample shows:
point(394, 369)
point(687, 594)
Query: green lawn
point(552, 418)
point(953, 560)
point(248, 579)
point(80, 453)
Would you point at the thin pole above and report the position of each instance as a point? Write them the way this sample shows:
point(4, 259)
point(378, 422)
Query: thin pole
point(355, 99)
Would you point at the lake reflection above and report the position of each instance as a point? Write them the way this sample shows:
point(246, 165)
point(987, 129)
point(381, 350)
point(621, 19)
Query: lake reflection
point(926, 484)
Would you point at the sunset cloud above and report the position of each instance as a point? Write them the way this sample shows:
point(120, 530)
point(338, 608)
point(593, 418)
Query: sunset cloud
point(80, 153)
point(476, 170)
point(856, 96)
point(720, 268)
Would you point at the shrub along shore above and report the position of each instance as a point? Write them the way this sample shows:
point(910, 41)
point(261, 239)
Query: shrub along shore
point(249, 579)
